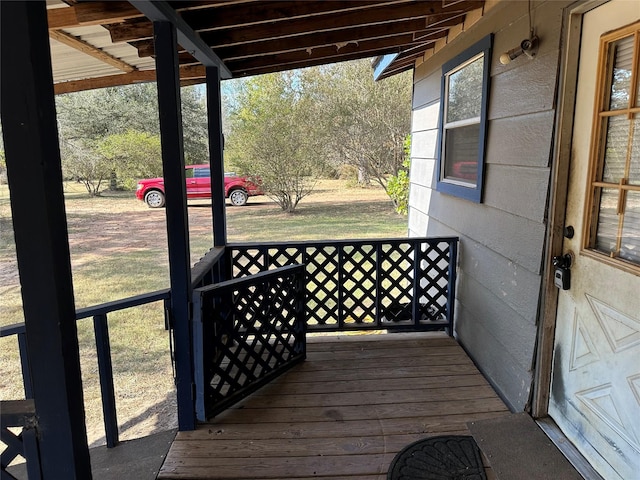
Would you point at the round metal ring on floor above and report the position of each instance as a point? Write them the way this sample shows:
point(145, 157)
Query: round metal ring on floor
point(454, 457)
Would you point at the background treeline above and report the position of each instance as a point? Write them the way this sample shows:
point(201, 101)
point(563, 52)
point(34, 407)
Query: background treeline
point(288, 128)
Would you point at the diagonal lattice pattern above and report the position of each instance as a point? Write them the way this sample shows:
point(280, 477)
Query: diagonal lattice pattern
point(13, 449)
point(19, 437)
point(253, 329)
point(366, 284)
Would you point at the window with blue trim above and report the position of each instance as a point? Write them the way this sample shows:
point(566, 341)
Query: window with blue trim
point(463, 122)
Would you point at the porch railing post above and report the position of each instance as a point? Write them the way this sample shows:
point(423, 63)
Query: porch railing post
point(451, 288)
point(216, 161)
point(105, 372)
point(166, 48)
point(417, 258)
point(34, 173)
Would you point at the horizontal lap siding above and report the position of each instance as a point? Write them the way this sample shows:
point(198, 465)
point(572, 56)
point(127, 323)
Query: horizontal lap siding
point(502, 239)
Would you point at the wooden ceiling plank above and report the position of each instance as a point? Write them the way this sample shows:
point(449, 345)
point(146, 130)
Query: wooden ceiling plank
point(96, 13)
point(108, 12)
point(131, 31)
point(240, 70)
point(90, 13)
point(390, 44)
point(269, 12)
point(255, 26)
point(62, 18)
point(315, 40)
point(325, 23)
point(84, 47)
point(386, 36)
point(138, 76)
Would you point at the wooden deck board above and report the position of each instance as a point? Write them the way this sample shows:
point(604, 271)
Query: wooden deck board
point(342, 414)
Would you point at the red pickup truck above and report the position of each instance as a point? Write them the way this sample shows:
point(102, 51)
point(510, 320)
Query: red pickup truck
point(236, 189)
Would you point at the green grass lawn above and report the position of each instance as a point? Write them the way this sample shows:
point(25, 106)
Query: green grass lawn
point(119, 249)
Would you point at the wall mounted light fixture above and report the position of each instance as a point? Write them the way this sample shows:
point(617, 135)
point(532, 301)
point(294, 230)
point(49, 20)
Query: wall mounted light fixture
point(528, 46)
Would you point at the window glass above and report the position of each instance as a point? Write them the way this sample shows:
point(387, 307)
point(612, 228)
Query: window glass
point(634, 168)
point(188, 173)
point(630, 245)
point(462, 147)
point(464, 99)
point(616, 146)
point(202, 172)
point(615, 207)
point(607, 221)
point(622, 53)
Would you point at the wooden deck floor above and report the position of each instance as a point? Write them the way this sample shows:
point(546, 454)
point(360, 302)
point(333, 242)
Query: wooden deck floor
point(354, 403)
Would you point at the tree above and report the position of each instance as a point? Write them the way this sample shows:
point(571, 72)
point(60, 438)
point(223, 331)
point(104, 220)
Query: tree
point(398, 185)
point(132, 155)
point(271, 139)
point(367, 120)
point(82, 163)
point(124, 114)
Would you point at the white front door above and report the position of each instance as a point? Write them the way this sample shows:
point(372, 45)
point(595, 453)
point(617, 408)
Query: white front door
point(595, 392)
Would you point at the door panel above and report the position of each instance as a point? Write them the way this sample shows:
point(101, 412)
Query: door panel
point(595, 393)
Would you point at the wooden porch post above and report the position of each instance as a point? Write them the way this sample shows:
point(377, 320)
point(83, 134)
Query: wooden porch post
point(42, 246)
point(166, 48)
point(216, 147)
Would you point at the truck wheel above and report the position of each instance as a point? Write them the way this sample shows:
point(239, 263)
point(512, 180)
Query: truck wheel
point(154, 198)
point(238, 198)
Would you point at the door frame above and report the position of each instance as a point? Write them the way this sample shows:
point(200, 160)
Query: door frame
point(558, 194)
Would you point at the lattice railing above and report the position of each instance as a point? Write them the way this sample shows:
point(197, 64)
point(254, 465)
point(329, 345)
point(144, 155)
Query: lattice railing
point(365, 284)
point(18, 435)
point(246, 332)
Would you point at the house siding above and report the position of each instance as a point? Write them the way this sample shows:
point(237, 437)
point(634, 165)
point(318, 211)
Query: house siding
point(501, 239)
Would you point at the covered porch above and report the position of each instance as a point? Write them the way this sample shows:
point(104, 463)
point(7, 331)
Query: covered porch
point(345, 411)
point(355, 402)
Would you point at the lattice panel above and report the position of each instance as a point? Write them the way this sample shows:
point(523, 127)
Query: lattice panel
point(396, 284)
point(247, 261)
point(19, 437)
point(258, 329)
point(322, 277)
point(283, 256)
point(434, 281)
point(13, 449)
point(365, 284)
point(359, 284)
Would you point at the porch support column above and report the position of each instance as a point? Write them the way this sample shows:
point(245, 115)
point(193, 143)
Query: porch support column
point(216, 159)
point(168, 80)
point(34, 172)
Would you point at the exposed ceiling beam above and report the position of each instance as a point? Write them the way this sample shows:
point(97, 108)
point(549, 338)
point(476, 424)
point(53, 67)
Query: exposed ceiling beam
point(187, 73)
point(389, 32)
point(187, 38)
point(239, 69)
point(326, 23)
point(255, 27)
point(269, 12)
point(91, 13)
point(84, 47)
point(316, 56)
point(106, 12)
point(336, 38)
point(259, 22)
